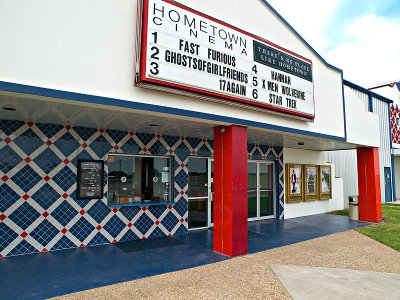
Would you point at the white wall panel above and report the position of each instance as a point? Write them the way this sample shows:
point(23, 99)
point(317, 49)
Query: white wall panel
point(293, 210)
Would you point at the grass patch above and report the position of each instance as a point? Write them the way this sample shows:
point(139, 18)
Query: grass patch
point(387, 232)
point(342, 212)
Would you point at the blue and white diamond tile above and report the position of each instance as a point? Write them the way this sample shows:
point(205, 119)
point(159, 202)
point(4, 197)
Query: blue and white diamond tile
point(39, 210)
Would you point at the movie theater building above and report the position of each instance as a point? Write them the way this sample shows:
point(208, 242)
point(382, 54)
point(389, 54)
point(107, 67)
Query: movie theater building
point(125, 120)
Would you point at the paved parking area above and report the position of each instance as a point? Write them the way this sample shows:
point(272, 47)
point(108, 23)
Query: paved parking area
point(45, 275)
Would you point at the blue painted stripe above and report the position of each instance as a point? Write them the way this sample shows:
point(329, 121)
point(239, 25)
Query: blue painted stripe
point(370, 103)
point(392, 157)
point(364, 90)
point(141, 204)
point(59, 94)
point(344, 109)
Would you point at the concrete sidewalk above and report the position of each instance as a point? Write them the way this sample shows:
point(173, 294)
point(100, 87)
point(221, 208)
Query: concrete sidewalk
point(251, 276)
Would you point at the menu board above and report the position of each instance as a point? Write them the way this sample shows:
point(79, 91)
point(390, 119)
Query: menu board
point(90, 183)
point(185, 50)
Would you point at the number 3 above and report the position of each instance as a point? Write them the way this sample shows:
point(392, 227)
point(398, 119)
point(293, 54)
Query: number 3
point(154, 70)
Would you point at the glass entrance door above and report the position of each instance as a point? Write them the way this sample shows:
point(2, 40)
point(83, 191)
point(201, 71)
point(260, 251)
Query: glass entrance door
point(260, 181)
point(200, 192)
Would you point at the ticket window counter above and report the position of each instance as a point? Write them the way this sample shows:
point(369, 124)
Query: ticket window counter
point(138, 180)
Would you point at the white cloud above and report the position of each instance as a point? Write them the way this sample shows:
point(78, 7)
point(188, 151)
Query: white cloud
point(372, 54)
point(308, 17)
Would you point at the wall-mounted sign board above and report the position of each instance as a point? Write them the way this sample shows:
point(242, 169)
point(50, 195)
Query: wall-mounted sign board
point(90, 181)
point(183, 50)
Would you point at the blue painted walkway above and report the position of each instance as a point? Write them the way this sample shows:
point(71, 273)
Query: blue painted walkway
point(44, 275)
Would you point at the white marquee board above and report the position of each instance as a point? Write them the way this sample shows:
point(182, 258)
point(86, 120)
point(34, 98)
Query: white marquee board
point(183, 49)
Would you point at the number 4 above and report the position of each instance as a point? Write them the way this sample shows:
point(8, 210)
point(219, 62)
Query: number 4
point(254, 68)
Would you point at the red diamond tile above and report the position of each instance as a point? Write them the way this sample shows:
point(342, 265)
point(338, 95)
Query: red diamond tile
point(48, 143)
point(158, 136)
point(131, 133)
point(182, 192)
point(169, 234)
point(81, 245)
point(45, 214)
point(3, 217)
point(24, 234)
point(143, 238)
point(82, 212)
point(25, 197)
point(30, 124)
point(194, 152)
point(84, 145)
point(170, 150)
point(47, 178)
point(114, 241)
point(5, 178)
point(98, 227)
point(101, 130)
point(182, 165)
point(64, 231)
point(204, 140)
point(65, 196)
point(7, 140)
point(1, 256)
point(68, 127)
point(170, 207)
point(181, 220)
point(115, 210)
point(66, 161)
point(263, 156)
point(277, 158)
point(116, 147)
point(28, 160)
point(144, 208)
point(157, 222)
point(182, 138)
point(129, 225)
point(44, 250)
point(256, 145)
point(144, 149)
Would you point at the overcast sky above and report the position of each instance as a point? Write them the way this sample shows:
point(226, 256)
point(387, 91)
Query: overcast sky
point(361, 37)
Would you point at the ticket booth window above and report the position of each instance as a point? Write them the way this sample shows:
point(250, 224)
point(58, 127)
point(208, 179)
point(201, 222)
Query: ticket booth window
point(138, 179)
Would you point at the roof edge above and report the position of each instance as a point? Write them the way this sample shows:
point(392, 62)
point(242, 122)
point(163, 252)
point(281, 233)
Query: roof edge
point(301, 38)
point(364, 90)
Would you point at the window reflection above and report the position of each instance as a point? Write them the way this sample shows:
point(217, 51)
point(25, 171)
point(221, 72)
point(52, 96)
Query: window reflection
point(138, 179)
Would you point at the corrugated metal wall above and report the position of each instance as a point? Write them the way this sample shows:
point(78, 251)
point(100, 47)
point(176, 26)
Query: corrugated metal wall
point(346, 161)
point(346, 167)
point(381, 109)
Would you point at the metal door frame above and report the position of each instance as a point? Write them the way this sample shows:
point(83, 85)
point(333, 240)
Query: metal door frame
point(258, 217)
point(209, 193)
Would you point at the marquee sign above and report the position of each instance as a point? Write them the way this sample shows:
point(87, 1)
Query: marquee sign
point(184, 51)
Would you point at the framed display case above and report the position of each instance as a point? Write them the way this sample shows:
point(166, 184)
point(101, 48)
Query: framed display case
point(90, 179)
point(310, 182)
point(294, 183)
point(325, 182)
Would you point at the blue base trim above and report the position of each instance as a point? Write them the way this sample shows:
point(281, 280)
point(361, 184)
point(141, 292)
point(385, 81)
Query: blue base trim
point(141, 204)
point(59, 94)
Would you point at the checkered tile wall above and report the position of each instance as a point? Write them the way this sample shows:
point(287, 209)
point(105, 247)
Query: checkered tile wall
point(394, 115)
point(38, 207)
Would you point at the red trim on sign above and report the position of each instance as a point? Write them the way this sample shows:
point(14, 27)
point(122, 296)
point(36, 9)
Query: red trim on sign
point(143, 56)
point(143, 59)
point(234, 28)
point(199, 91)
